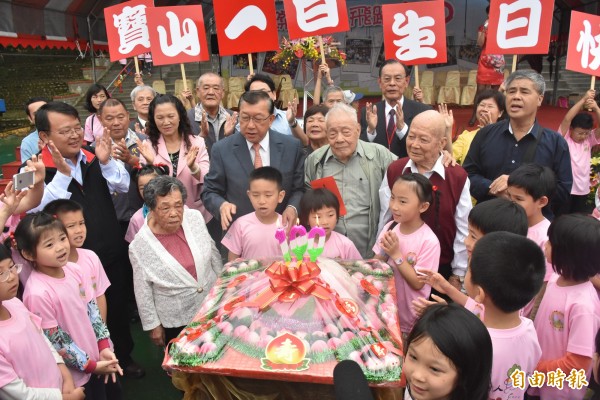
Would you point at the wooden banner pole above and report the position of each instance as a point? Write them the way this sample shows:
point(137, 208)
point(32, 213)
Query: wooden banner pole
point(416, 76)
point(514, 63)
point(137, 64)
point(185, 88)
point(250, 64)
point(320, 38)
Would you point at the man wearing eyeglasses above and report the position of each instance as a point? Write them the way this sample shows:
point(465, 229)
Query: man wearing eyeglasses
point(387, 122)
point(233, 158)
point(89, 176)
point(358, 168)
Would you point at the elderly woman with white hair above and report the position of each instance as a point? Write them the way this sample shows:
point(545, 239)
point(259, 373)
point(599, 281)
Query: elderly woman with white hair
point(358, 168)
point(141, 97)
point(175, 262)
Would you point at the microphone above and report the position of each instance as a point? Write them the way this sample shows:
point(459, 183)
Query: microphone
point(349, 382)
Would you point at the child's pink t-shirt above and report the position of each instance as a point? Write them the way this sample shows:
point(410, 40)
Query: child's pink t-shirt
point(339, 246)
point(250, 238)
point(135, 224)
point(567, 321)
point(92, 266)
point(426, 246)
point(24, 351)
point(63, 302)
point(517, 346)
point(581, 155)
point(539, 234)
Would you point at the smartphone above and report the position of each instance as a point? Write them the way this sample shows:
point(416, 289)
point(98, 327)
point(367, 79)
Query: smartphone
point(23, 180)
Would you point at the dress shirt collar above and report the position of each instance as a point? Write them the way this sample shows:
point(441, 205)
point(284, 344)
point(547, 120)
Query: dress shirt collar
point(438, 167)
point(388, 107)
point(264, 144)
point(530, 130)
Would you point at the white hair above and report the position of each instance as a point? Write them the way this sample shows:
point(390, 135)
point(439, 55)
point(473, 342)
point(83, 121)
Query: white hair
point(342, 108)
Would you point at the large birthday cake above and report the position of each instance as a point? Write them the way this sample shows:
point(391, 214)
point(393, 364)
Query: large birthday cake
point(294, 319)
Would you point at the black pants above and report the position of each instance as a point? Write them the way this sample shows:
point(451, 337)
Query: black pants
point(118, 315)
point(445, 270)
point(172, 333)
point(96, 389)
point(579, 204)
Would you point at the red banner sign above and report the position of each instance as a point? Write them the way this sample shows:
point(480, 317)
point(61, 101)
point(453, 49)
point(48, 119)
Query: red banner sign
point(519, 26)
point(127, 29)
point(583, 53)
point(415, 33)
point(177, 35)
point(315, 17)
point(246, 26)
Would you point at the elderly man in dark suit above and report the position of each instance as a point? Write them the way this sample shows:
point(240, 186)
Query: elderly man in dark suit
point(387, 122)
point(234, 157)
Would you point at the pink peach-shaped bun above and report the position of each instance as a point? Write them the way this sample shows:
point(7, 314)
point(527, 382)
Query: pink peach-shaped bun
point(369, 278)
point(364, 334)
point(206, 337)
point(388, 298)
point(347, 336)
point(225, 327)
point(240, 331)
point(207, 348)
point(391, 361)
point(332, 329)
point(319, 334)
point(334, 342)
point(378, 285)
point(231, 269)
point(357, 276)
point(264, 341)
point(253, 337)
point(242, 265)
point(374, 364)
point(301, 334)
point(388, 316)
point(318, 346)
point(376, 323)
point(256, 325)
point(355, 356)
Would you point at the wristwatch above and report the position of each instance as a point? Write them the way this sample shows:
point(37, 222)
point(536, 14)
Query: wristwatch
point(294, 124)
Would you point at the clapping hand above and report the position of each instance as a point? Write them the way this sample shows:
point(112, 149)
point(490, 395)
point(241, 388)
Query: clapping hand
point(104, 147)
point(371, 115)
point(390, 244)
point(59, 161)
point(146, 150)
point(230, 123)
point(190, 157)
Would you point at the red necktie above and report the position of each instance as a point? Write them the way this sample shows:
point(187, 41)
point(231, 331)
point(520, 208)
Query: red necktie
point(257, 160)
point(391, 127)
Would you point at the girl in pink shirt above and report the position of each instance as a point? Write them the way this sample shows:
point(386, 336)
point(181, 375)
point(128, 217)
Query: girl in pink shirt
point(320, 207)
point(143, 175)
point(569, 314)
point(408, 244)
point(58, 293)
point(20, 337)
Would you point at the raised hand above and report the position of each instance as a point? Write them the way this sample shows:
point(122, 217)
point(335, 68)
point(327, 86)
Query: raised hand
point(11, 199)
point(146, 150)
point(292, 110)
point(390, 244)
point(59, 161)
point(190, 157)
point(104, 147)
point(418, 94)
point(230, 123)
point(447, 114)
point(204, 125)
point(36, 164)
point(121, 152)
point(371, 115)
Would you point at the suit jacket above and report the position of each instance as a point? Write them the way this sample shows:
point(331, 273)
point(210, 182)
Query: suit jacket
point(230, 167)
point(192, 185)
point(410, 109)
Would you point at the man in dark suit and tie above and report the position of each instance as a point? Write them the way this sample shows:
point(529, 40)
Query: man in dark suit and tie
point(234, 157)
point(387, 122)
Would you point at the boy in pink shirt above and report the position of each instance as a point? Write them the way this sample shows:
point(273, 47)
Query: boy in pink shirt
point(531, 186)
point(253, 235)
point(505, 272)
point(70, 213)
point(576, 127)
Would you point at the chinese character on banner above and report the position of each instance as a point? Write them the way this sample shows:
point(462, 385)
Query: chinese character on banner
point(315, 17)
point(177, 35)
point(415, 33)
point(246, 26)
point(519, 26)
point(583, 53)
point(127, 29)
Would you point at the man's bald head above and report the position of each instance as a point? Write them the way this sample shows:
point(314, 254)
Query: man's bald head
point(432, 121)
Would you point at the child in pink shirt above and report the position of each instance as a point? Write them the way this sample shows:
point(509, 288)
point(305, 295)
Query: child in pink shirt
point(21, 336)
point(505, 272)
point(531, 186)
point(70, 214)
point(320, 207)
point(576, 127)
point(142, 176)
point(253, 235)
point(569, 314)
point(61, 296)
point(407, 243)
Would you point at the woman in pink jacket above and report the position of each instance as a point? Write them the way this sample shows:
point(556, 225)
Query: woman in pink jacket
point(170, 141)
